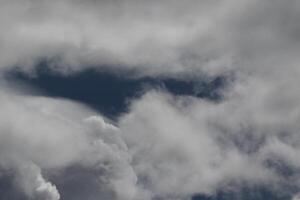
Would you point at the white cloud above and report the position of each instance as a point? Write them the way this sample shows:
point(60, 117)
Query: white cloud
point(179, 150)
point(164, 146)
point(153, 37)
point(55, 135)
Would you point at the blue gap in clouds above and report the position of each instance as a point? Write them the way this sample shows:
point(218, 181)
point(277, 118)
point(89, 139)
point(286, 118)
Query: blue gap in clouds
point(110, 93)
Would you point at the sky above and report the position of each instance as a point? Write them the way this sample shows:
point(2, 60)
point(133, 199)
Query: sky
point(149, 100)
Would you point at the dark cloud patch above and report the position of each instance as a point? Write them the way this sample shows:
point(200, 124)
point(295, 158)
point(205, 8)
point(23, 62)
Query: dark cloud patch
point(248, 193)
point(8, 189)
point(77, 183)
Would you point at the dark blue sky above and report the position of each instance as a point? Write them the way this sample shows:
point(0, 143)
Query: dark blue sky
point(110, 93)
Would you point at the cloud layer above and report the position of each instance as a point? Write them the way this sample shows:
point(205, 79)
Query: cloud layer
point(151, 37)
point(165, 146)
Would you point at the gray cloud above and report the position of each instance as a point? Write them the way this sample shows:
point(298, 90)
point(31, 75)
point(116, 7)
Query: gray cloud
point(165, 146)
point(152, 37)
point(34, 185)
point(41, 135)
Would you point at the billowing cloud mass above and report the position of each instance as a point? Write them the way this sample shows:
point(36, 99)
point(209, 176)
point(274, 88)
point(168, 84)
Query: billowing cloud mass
point(150, 36)
point(165, 146)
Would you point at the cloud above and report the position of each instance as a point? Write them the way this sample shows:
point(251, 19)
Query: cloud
point(166, 146)
point(183, 146)
point(77, 34)
point(152, 37)
point(55, 135)
point(296, 197)
point(162, 141)
point(34, 184)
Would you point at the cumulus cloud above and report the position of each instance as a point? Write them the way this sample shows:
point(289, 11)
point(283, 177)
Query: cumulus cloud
point(181, 146)
point(55, 135)
point(166, 146)
point(34, 184)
